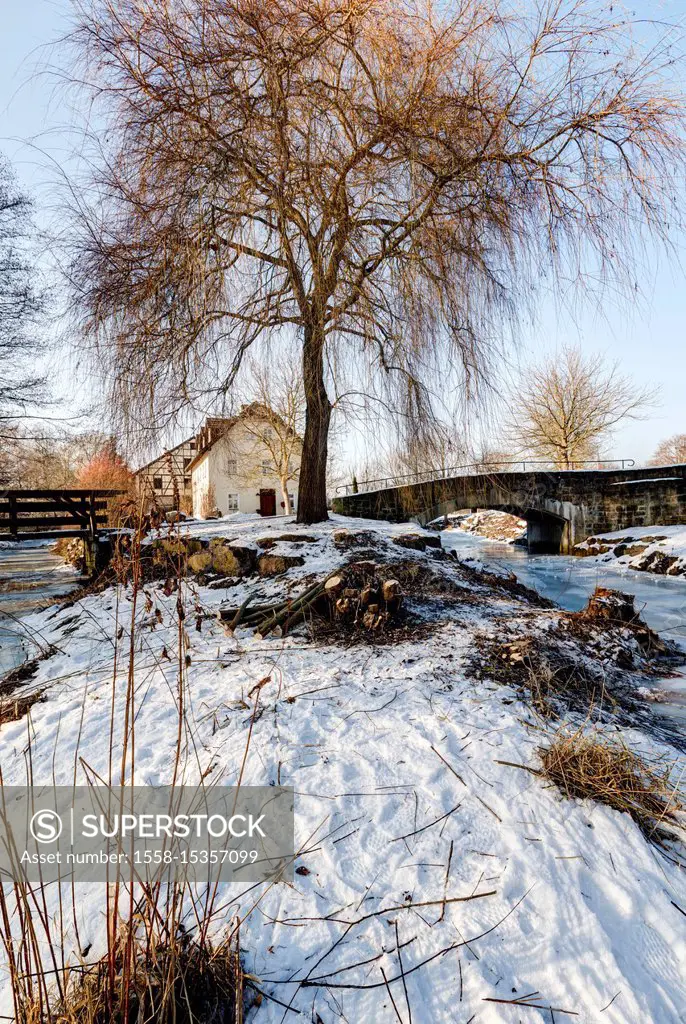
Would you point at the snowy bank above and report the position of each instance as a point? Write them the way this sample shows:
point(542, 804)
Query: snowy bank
point(657, 549)
point(491, 524)
point(425, 850)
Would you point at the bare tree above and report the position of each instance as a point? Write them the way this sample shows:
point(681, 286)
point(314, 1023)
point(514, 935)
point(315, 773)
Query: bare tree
point(486, 459)
point(21, 388)
point(671, 452)
point(565, 409)
point(276, 389)
point(383, 179)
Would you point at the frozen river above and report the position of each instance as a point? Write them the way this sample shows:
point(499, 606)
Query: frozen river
point(569, 581)
point(30, 576)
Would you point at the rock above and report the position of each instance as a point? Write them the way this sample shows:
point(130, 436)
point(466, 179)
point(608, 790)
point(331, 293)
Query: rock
point(175, 516)
point(657, 562)
point(629, 549)
point(591, 546)
point(246, 558)
point(174, 547)
point(274, 565)
point(417, 541)
point(200, 561)
point(71, 550)
point(266, 543)
point(223, 559)
point(359, 539)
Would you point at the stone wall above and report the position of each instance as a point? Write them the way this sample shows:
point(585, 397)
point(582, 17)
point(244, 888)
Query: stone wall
point(566, 507)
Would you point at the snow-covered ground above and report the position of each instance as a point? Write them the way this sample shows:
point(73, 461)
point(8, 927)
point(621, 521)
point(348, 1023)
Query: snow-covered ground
point(402, 802)
point(491, 524)
point(657, 549)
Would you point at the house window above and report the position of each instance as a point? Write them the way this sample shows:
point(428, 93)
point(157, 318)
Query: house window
point(186, 463)
point(266, 467)
point(186, 483)
point(192, 446)
point(232, 504)
point(157, 483)
point(231, 467)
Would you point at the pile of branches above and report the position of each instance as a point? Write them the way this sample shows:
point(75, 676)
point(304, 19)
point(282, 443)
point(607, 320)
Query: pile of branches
point(359, 595)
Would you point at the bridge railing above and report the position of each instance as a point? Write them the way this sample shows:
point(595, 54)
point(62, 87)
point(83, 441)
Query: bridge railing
point(472, 469)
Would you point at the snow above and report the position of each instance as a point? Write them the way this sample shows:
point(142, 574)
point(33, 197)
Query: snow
point(489, 523)
point(654, 540)
point(394, 756)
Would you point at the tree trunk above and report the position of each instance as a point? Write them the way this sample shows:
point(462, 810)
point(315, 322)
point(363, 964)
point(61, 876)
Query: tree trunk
point(284, 494)
point(312, 485)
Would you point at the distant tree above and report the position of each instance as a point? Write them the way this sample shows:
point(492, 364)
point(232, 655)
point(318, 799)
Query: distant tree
point(277, 396)
point(387, 180)
point(208, 502)
point(107, 471)
point(565, 409)
point(21, 387)
point(492, 460)
point(671, 452)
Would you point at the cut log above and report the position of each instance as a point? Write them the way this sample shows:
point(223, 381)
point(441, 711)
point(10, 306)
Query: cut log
point(368, 595)
point(333, 585)
point(613, 605)
point(390, 589)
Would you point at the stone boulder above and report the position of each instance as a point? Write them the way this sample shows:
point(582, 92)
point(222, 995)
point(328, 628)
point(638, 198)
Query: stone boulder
point(417, 541)
point(201, 561)
point(658, 562)
point(591, 546)
point(274, 565)
point(266, 543)
point(345, 539)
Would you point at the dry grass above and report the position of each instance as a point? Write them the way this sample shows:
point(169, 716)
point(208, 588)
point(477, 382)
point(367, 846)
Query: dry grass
point(583, 766)
point(14, 708)
point(183, 982)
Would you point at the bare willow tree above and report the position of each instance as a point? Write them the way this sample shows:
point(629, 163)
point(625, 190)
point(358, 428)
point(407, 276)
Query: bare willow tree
point(21, 387)
point(671, 452)
point(386, 180)
point(275, 387)
point(565, 409)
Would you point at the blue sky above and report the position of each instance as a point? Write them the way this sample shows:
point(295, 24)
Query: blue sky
point(648, 339)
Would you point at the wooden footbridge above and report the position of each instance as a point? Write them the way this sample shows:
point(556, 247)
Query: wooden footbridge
point(52, 514)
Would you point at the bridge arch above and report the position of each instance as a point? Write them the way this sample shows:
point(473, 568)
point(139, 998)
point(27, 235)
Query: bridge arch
point(562, 508)
point(545, 531)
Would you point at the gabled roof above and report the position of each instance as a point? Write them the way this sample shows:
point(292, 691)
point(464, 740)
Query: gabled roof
point(162, 455)
point(215, 428)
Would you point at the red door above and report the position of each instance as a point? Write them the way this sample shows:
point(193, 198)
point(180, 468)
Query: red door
point(268, 502)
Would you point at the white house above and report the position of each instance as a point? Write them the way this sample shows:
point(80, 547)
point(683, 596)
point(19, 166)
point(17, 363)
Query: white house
point(248, 463)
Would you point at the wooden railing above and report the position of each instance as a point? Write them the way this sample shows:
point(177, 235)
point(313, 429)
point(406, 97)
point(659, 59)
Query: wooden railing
point(43, 514)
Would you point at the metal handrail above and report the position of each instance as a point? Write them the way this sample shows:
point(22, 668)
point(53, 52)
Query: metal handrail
point(445, 473)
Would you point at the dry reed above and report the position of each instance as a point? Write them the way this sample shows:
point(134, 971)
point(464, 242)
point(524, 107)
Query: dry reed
point(583, 766)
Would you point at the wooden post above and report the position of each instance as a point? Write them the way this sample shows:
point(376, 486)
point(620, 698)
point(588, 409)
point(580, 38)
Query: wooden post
point(90, 541)
point(14, 524)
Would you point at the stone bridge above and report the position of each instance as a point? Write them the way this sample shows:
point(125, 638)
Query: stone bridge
point(561, 508)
